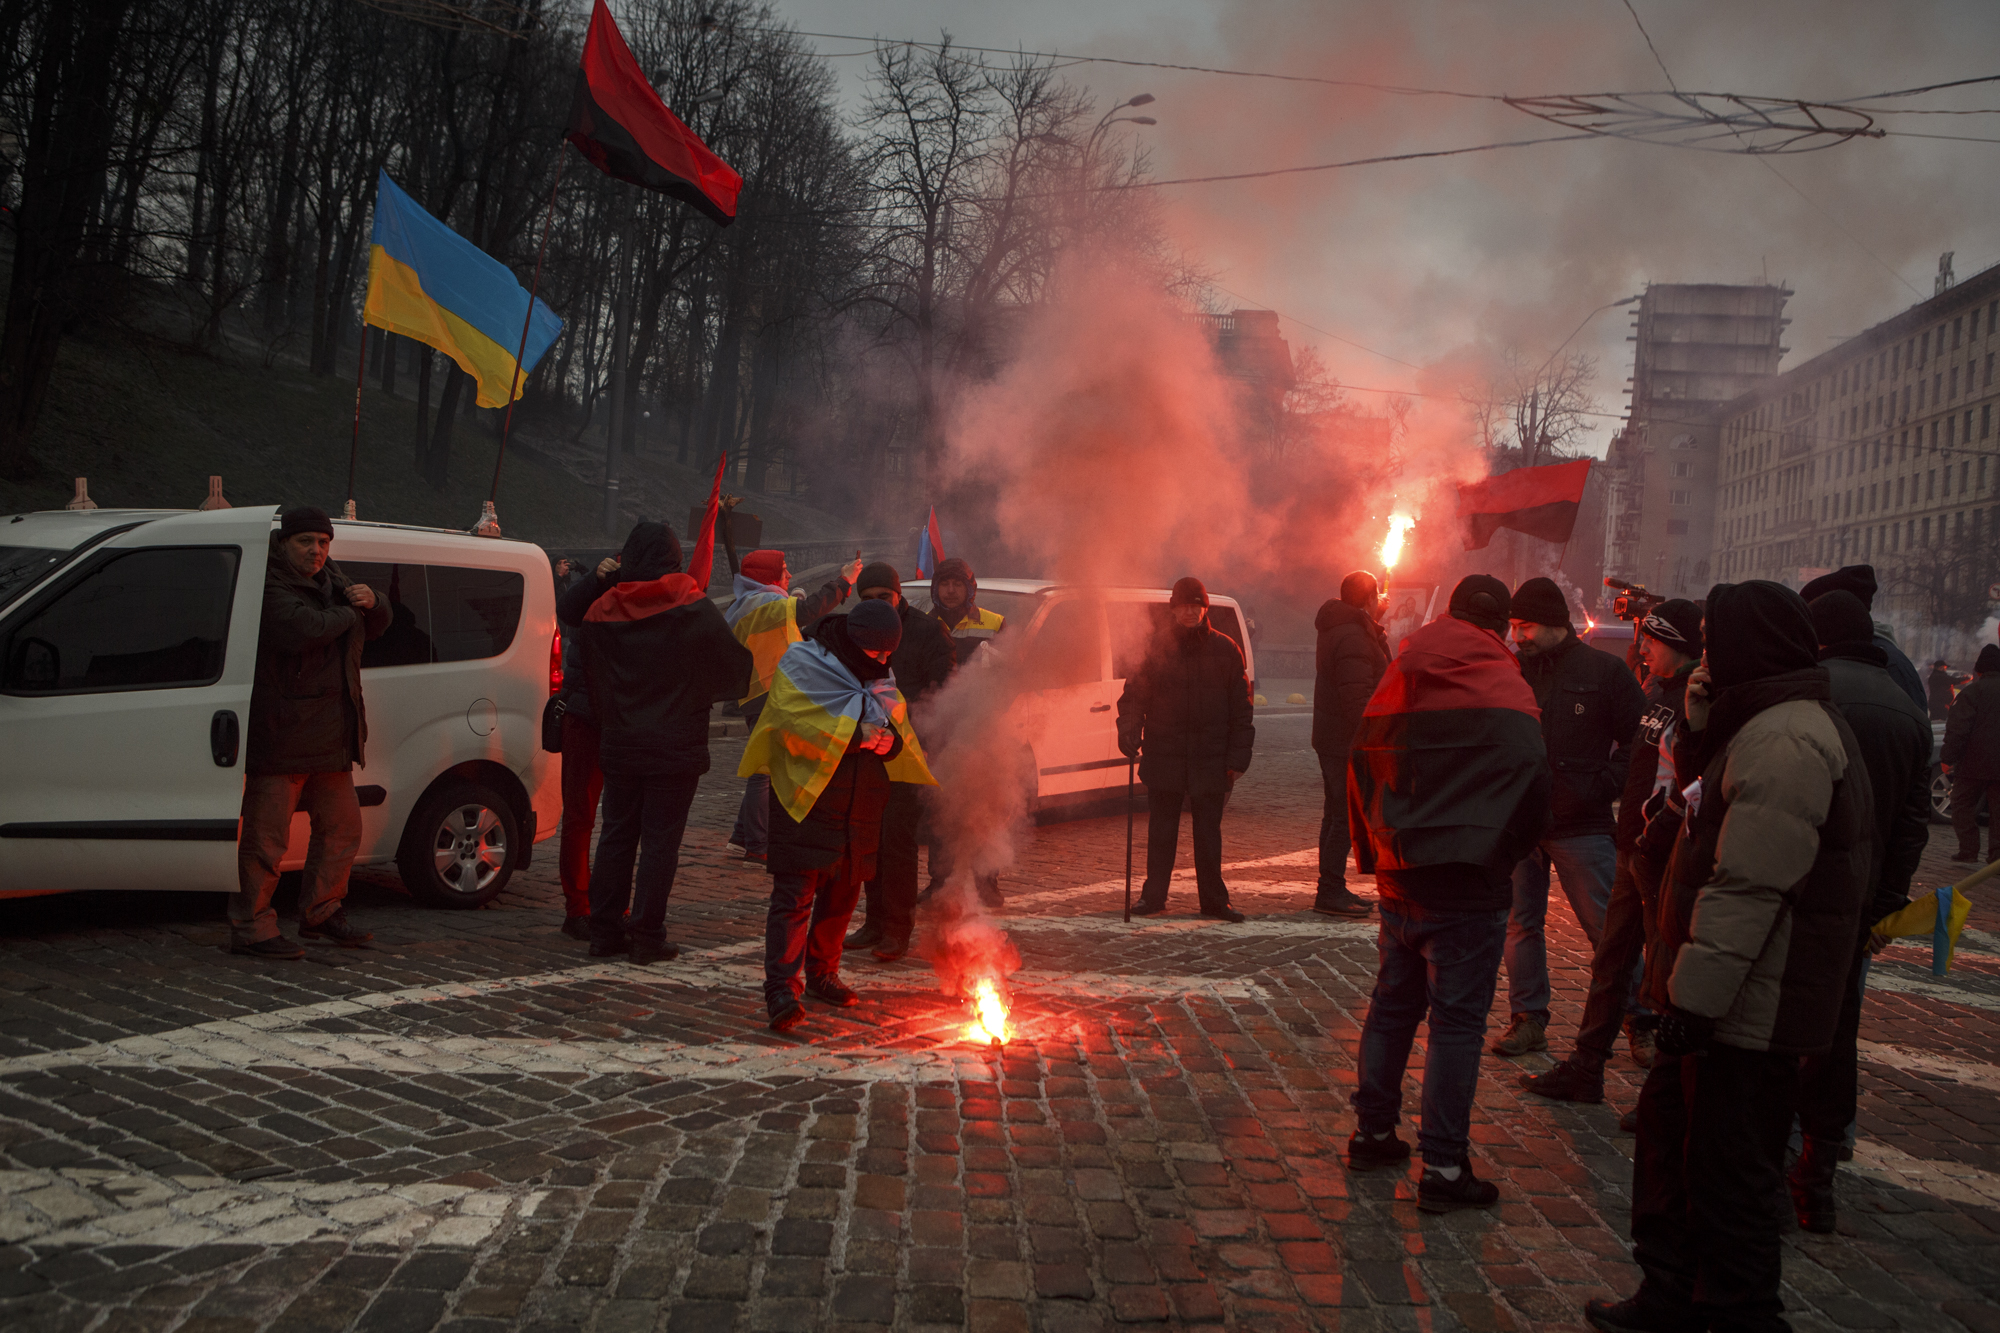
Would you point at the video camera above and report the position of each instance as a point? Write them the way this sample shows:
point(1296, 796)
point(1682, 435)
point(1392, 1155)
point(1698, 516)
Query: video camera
point(1634, 603)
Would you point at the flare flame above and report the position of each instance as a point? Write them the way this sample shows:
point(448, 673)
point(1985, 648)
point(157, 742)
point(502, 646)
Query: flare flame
point(1392, 547)
point(989, 1023)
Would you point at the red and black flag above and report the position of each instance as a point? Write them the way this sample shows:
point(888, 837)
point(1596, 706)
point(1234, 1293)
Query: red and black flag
point(1540, 501)
point(1448, 767)
point(621, 125)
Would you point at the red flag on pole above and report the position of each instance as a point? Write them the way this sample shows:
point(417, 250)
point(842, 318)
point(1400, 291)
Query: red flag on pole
point(618, 121)
point(930, 547)
point(1540, 501)
point(703, 563)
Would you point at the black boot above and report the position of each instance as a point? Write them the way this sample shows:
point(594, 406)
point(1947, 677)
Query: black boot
point(1812, 1185)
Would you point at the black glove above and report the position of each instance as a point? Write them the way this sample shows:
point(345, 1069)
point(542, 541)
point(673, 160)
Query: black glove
point(1682, 1033)
point(1128, 744)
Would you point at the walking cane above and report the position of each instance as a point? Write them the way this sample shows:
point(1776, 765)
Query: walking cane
point(1131, 772)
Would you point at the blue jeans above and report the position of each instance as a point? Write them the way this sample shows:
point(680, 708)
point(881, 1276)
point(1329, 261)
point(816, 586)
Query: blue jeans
point(1585, 866)
point(644, 818)
point(1445, 964)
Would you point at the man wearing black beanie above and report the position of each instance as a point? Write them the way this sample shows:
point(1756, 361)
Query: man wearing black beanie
point(1860, 580)
point(1758, 921)
point(1590, 709)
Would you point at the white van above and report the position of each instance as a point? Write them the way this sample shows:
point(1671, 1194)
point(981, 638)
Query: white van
point(128, 646)
point(1079, 645)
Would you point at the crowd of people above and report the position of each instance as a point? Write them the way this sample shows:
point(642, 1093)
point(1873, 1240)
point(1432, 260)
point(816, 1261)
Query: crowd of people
point(1727, 823)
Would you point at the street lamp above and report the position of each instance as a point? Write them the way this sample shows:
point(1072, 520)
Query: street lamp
point(1609, 305)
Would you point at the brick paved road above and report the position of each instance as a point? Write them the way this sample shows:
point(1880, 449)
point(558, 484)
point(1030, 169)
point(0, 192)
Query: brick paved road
point(473, 1126)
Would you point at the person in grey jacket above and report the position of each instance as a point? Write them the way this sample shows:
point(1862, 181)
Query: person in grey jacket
point(307, 730)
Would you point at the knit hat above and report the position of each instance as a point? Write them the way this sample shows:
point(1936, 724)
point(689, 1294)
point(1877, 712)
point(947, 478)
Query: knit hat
point(767, 567)
point(874, 626)
point(1542, 602)
point(305, 518)
point(1987, 661)
point(1677, 624)
point(881, 574)
point(1359, 589)
point(1188, 592)
point(1857, 579)
point(1839, 617)
point(1482, 600)
point(1757, 629)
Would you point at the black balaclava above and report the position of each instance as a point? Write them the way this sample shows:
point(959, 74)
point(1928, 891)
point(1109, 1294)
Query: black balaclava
point(1843, 627)
point(651, 552)
point(1857, 579)
point(1757, 629)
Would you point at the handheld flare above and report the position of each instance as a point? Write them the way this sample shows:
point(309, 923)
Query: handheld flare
point(1392, 546)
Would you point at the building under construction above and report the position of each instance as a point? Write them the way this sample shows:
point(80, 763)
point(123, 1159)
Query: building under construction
point(1699, 346)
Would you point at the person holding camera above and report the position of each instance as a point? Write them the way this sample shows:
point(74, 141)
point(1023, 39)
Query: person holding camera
point(307, 732)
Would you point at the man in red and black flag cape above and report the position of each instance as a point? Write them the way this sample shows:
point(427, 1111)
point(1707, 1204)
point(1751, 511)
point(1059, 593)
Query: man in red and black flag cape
point(1448, 789)
point(621, 125)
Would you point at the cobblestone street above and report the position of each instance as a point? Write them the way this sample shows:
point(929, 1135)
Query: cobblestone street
point(474, 1126)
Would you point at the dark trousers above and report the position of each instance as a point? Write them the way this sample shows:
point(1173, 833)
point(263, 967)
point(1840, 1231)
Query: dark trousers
point(1829, 1084)
point(269, 801)
point(1163, 832)
point(1613, 962)
point(1444, 965)
point(1706, 1181)
point(1965, 797)
point(805, 925)
point(1334, 841)
point(582, 785)
point(892, 894)
point(643, 822)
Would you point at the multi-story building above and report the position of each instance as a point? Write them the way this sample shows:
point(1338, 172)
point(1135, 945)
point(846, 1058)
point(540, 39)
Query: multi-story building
point(1881, 451)
point(1698, 347)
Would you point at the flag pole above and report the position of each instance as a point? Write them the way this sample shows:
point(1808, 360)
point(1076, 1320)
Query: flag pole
point(354, 448)
point(514, 385)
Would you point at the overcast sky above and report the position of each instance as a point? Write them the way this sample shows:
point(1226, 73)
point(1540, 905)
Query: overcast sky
point(1429, 262)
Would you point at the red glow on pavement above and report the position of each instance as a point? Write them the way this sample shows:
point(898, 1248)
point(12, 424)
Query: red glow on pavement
point(989, 1024)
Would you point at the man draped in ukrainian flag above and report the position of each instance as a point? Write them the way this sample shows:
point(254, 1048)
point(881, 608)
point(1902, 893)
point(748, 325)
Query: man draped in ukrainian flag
point(833, 734)
point(765, 618)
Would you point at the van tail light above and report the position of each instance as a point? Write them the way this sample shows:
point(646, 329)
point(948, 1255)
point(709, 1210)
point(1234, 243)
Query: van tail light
point(555, 661)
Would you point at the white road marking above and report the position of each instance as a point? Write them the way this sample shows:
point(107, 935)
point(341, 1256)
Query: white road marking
point(1982, 1076)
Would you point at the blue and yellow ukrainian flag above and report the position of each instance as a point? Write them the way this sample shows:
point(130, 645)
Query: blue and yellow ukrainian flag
point(1939, 914)
point(815, 706)
point(427, 282)
point(765, 619)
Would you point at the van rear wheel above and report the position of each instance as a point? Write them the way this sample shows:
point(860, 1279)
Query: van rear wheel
point(460, 847)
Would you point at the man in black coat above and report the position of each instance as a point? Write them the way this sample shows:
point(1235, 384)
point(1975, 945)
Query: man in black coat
point(923, 658)
point(1895, 741)
point(1348, 661)
point(307, 731)
point(656, 654)
point(1648, 819)
point(1971, 758)
point(1860, 580)
point(1590, 709)
point(1186, 714)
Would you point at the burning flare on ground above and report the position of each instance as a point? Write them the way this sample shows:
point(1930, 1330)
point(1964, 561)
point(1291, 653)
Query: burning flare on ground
point(1392, 546)
point(989, 1026)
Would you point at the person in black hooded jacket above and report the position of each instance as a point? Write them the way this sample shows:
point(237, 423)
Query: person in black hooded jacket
point(1860, 580)
point(1895, 740)
point(1186, 715)
point(656, 655)
point(1349, 659)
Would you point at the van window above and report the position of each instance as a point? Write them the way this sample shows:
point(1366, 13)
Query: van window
point(1068, 647)
point(1134, 625)
point(474, 612)
point(407, 641)
point(153, 619)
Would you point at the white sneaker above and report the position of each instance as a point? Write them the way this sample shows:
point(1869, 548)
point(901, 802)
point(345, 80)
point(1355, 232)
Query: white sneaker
point(736, 847)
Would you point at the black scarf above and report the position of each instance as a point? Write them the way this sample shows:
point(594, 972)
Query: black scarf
point(831, 633)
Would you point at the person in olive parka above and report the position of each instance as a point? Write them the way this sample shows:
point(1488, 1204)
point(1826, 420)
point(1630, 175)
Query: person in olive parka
point(1185, 714)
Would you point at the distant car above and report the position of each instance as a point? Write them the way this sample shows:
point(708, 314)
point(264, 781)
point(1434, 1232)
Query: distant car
point(1611, 636)
point(1079, 645)
point(128, 646)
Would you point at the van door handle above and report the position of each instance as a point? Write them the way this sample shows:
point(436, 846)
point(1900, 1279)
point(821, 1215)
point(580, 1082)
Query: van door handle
point(1100, 708)
point(224, 736)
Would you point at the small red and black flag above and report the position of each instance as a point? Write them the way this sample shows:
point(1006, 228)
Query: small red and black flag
point(1540, 501)
point(622, 126)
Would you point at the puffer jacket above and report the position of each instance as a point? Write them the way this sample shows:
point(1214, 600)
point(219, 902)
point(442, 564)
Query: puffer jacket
point(306, 714)
point(1972, 731)
point(1349, 658)
point(1186, 711)
point(1760, 913)
point(1591, 707)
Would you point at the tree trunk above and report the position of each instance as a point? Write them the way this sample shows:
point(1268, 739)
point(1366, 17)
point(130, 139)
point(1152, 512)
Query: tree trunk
point(439, 469)
point(423, 355)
